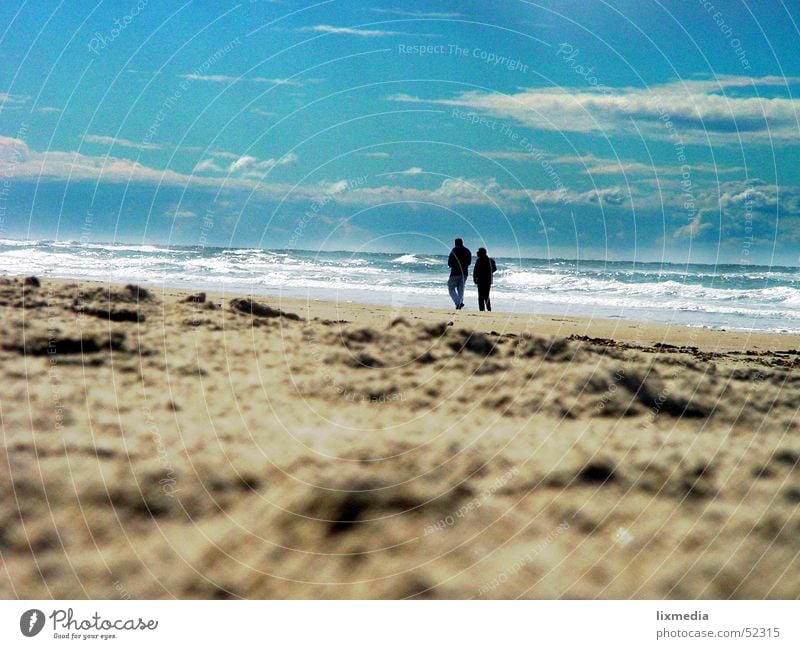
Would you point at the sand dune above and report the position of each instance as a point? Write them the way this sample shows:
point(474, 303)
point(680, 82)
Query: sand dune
point(161, 444)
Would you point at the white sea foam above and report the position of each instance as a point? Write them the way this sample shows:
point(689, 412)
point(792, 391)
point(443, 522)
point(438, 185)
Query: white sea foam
point(748, 298)
point(414, 259)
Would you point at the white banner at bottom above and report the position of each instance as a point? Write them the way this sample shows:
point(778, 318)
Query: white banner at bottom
point(386, 625)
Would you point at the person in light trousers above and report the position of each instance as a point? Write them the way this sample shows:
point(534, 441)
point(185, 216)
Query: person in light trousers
point(459, 261)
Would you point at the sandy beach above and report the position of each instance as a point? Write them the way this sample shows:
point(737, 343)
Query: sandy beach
point(160, 444)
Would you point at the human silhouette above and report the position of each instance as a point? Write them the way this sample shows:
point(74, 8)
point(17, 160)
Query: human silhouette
point(459, 261)
point(482, 276)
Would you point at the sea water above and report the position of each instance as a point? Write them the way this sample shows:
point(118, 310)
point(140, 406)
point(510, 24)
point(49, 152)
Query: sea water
point(756, 298)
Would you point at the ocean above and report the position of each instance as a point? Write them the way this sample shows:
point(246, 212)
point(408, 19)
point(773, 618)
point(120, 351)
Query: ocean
point(754, 298)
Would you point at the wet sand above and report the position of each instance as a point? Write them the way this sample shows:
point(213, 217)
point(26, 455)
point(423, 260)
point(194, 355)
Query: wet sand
point(156, 445)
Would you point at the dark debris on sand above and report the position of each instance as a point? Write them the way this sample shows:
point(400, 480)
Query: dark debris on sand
point(130, 294)
point(471, 341)
point(197, 298)
point(43, 344)
point(115, 315)
point(596, 378)
point(101, 302)
point(251, 307)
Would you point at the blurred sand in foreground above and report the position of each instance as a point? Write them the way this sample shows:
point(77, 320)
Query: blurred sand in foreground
point(156, 445)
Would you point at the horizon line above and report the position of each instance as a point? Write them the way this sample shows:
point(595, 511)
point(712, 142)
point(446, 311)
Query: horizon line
point(77, 243)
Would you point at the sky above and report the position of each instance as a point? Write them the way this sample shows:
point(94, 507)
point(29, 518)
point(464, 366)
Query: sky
point(648, 130)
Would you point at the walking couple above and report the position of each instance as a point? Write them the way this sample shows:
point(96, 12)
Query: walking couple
point(459, 263)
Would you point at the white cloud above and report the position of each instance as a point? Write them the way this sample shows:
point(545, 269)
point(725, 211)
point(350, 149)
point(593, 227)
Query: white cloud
point(592, 165)
point(378, 154)
point(606, 196)
point(723, 81)
point(753, 197)
point(18, 162)
point(350, 31)
point(519, 156)
point(225, 154)
point(118, 141)
point(255, 167)
point(12, 152)
point(413, 171)
point(452, 191)
point(243, 163)
point(418, 14)
point(208, 165)
point(283, 160)
point(335, 187)
point(224, 78)
point(461, 190)
point(484, 192)
point(693, 228)
point(695, 109)
point(8, 100)
point(405, 97)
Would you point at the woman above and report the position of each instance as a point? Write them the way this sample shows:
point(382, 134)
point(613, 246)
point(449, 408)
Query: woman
point(482, 276)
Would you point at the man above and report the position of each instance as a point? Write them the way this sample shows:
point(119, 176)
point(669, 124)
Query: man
point(482, 276)
point(459, 261)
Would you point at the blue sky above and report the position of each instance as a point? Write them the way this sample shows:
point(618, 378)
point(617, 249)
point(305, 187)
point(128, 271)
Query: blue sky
point(620, 129)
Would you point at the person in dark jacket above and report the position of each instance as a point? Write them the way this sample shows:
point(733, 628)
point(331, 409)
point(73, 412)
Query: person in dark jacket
point(482, 276)
point(459, 261)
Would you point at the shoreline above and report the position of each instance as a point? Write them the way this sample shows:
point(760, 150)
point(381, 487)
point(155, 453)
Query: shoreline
point(706, 296)
point(620, 329)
